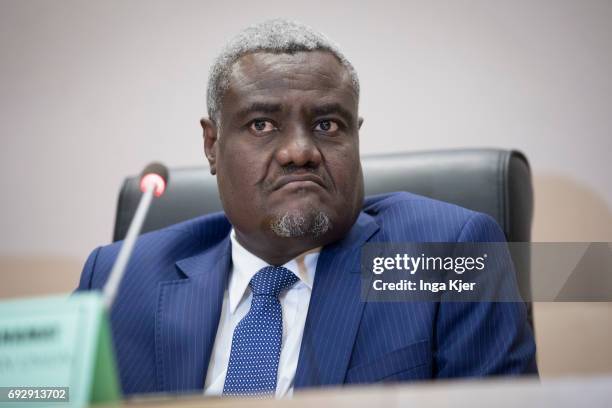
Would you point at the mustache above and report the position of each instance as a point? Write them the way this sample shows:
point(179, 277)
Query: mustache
point(291, 169)
point(313, 173)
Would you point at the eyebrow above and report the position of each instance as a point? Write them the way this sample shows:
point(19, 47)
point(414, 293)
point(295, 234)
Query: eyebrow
point(262, 107)
point(326, 109)
point(319, 110)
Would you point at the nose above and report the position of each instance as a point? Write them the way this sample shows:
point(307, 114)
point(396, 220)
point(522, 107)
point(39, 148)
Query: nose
point(297, 147)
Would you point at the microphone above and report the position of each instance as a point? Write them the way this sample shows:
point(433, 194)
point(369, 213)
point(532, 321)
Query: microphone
point(153, 182)
point(154, 173)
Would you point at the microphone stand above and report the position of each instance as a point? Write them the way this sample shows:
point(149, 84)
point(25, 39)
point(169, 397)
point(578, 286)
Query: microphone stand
point(116, 275)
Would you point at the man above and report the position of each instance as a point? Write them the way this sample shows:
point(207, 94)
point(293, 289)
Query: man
point(265, 297)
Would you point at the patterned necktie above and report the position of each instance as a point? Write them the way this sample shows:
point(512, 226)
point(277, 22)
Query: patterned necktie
point(256, 344)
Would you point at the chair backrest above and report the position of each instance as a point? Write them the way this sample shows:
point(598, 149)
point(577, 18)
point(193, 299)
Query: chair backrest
point(492, 181)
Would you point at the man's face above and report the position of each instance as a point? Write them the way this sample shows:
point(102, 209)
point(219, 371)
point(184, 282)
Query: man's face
point(286, 154)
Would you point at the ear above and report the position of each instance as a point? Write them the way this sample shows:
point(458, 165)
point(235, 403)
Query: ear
point(210, 143)
point(359, 122)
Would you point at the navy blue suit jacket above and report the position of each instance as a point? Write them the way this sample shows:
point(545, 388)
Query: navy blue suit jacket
point(167, 310)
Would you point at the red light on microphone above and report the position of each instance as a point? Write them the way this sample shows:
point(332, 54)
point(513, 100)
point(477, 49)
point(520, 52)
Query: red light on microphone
point(160, 184)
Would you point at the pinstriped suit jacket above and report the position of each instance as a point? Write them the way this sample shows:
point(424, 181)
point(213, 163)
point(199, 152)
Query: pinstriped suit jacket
point(167, 310)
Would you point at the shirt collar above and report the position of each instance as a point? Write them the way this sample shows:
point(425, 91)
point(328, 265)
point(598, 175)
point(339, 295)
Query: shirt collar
point(246, 265)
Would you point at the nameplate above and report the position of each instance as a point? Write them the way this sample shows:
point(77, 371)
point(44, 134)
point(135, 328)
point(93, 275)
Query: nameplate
point(56, 351)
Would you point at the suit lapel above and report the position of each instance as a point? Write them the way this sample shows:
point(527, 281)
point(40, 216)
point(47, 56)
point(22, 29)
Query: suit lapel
point(187, 318)
point(335, 310)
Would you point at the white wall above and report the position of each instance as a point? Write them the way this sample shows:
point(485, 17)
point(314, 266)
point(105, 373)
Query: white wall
point(92, 91)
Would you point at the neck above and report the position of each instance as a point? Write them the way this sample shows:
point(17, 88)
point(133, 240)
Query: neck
point(280, 250)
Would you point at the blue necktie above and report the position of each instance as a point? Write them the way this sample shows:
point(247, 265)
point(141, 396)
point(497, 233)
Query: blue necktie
point(256, 345)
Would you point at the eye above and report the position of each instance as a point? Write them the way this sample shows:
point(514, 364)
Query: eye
point(262, 126)
point(329, 126)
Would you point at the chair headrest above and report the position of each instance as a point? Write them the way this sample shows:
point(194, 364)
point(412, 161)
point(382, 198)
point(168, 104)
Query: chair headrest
point(493, 181)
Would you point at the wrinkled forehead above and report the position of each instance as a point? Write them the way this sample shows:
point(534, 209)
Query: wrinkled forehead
point(304, 74)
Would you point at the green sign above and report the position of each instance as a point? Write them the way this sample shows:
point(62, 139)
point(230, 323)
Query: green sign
point(52, 344)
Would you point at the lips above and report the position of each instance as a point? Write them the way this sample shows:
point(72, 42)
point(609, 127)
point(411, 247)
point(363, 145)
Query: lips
point(284, 180)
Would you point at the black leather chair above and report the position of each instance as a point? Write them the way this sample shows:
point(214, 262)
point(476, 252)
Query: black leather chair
point(492, 181)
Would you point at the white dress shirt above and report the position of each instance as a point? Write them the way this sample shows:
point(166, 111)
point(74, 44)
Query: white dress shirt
point(237, 302)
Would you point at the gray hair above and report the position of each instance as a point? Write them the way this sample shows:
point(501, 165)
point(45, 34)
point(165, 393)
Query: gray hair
point(277, 36)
